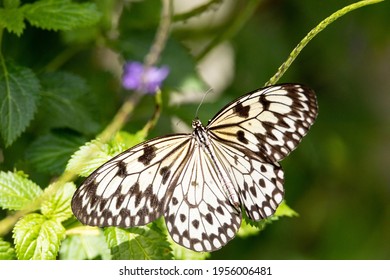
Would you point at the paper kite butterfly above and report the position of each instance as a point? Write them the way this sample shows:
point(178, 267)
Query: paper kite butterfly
point(202, 181)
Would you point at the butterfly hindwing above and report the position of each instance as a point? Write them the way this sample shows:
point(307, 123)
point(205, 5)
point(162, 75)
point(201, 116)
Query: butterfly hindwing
point(259, 184)
point(199, 216)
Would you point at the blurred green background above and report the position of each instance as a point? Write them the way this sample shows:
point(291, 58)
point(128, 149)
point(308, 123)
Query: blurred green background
point(338, 179)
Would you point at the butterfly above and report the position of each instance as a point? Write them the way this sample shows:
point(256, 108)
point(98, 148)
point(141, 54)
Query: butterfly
point(202, 181)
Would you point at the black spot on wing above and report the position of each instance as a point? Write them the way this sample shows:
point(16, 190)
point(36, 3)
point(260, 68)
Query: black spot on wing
point(103, 204)
point(120, 199)
point(138, 198)
point(241, 111)
point(148, 191)
point(134, 189)
point(148, 155)
point(220, 210)
point(165, 172)
point(253, 191)
point(262, 183)
point(209, 218)
point(263, 100)
point(241, 137)
point(235, 159)
point(154, 202)
point(121, 169)
point(175, 201)
point(92, 194)
point(195, 223)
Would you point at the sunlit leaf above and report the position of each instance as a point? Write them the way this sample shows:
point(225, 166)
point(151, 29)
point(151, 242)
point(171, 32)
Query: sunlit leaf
point(85, 246)
point(37, 238)
point(57, 202)
point(16, 190)
point(138, 243)
point(6, 251)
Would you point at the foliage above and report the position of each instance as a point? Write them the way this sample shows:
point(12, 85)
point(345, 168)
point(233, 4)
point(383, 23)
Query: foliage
point(60, 65)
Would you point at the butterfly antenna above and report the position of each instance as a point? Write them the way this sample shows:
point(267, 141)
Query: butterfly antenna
point(201, 102)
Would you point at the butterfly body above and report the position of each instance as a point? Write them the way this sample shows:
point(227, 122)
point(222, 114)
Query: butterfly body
point(200, 182)
point(201, 135)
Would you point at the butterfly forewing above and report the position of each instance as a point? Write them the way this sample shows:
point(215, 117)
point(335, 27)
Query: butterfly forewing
point(132, 188)
point(199, 182)
point(270, 122)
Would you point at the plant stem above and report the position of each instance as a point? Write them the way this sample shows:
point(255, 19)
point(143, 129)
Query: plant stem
point(150, 59)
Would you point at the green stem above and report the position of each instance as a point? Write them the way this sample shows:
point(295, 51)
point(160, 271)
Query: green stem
point(321, 26)
point(151, 59)
point(120, 118)
point(162, 34)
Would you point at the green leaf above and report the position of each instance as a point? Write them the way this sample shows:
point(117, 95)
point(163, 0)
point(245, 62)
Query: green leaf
point(50, 153)
point(19, 92)
point(62, 103)
point(16, 190)
point(6, 251)
point(285, 210)
point(37, 238)
point(84, 246)
point(248, 229)
point(56, 206)
point(140, 243)
point(13, 20)
point(61, 14)
point(88, 158)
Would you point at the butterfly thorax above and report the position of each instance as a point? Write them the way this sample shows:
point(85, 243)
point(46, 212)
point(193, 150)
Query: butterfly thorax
point(200, 133)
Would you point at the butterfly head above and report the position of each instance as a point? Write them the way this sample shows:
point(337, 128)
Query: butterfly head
point(196, 123)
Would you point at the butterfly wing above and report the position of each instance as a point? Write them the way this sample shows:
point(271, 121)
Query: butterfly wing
point(258, 184)
point(199, 215)
point(269, 122)
point(133, 188)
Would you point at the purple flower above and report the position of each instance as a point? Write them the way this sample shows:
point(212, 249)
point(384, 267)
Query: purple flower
point(135, 77)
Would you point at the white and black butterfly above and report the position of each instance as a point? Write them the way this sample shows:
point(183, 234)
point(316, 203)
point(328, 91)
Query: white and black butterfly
point(200, 182)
